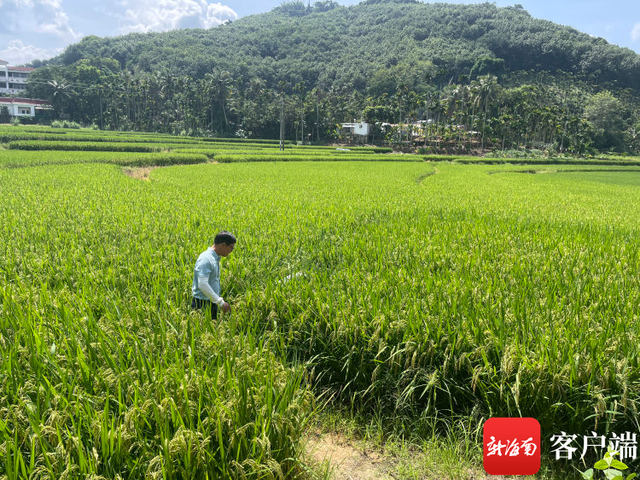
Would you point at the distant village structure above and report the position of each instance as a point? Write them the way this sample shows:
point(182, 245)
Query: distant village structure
point(23, 107)
point(356, 128)
point(357, 131)
point(13, 81)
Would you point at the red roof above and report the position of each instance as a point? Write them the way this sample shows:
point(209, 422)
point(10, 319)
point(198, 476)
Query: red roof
point(21, 69)
point(30, 101)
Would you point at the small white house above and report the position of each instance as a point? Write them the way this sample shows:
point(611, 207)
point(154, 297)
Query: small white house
point(360, 128)
point(23, 107)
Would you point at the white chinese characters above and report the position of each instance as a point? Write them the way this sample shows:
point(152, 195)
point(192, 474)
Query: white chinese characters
point(511, 448)
point(565, 446)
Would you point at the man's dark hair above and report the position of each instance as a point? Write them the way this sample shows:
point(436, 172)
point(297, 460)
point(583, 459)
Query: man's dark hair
point(224, 237)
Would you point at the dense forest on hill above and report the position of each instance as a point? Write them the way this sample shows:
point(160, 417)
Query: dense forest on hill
point(477, 75)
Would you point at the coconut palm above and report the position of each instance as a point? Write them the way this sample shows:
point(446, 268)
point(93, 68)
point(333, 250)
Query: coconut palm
point(60, 91)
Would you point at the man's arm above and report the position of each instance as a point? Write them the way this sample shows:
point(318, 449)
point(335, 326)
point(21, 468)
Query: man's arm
point(203, 285)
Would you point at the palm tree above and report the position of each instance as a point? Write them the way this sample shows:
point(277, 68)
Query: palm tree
point(60, 91)
point(167, 83)
point(456, 101)
point(484, 90)
point(300, 89)
point(218, 88)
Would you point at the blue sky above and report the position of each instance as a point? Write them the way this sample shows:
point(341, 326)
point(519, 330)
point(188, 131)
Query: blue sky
point(39, 29)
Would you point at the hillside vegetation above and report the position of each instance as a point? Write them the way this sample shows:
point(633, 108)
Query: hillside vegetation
point(335, 46)
point(518, 80)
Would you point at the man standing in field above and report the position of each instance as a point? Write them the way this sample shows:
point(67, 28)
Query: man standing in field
point(206, 275)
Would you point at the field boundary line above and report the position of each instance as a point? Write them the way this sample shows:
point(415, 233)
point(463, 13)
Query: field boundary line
point(420, 178)
point(573, 170)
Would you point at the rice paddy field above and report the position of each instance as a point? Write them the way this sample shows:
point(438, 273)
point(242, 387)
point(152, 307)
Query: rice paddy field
point(399, 288)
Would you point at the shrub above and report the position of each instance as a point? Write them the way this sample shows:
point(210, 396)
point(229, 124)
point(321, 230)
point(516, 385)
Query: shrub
point(520, 153)
point(65, 124)
point(5, 117)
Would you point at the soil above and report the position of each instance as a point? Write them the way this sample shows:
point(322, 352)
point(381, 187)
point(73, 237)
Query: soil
point(348, 462)
point(138, 173)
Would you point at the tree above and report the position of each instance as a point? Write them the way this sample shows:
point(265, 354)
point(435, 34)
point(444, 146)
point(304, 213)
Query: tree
point(60, 92)
point(378, 114)
point(5, 117)
point(484, 90)
point(218, 88)
point(605, 114)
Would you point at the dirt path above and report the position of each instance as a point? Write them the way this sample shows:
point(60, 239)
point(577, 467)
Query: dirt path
point(348, 462)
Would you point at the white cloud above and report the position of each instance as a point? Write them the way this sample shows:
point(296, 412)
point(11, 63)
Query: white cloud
point(163, 15)
point(218, 14)
point(635, 33)
point(17, 3)
point(18, 53)
point(58, 25)
point(36, 16)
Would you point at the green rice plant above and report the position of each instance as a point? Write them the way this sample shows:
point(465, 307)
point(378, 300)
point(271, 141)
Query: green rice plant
point(279, 157)
point(243, 140)
point(7, 135)
point(90, 146)
point(224, 149)
point(82, 146)
point(20, 158)
point(113, 383)
point(340, 149)
point(443, 158)
point(621, 161)
point(618, 157)
point(25, 132)
point(252, 151)
point(428, 291)
point(93, 136)
point(375, 356)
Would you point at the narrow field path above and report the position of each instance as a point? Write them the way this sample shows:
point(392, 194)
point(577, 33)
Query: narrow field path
point(348, 462)
point(346, 459)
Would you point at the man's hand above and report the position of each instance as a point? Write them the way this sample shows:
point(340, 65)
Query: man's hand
point(226, 308)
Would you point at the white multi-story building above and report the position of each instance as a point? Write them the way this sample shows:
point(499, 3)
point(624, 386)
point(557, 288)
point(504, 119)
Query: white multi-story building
point(13, 80)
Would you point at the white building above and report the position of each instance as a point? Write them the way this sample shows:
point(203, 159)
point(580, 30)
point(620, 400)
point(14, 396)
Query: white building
point(23, 107)
point(359, 128)
point(13, 80)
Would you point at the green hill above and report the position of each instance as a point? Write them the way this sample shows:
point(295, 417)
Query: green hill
point(334, 46)
point(521, 81)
